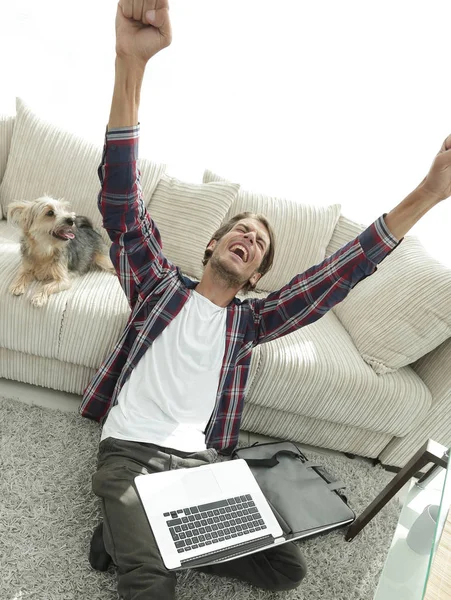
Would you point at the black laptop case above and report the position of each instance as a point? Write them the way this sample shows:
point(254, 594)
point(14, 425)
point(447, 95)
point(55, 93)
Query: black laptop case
point(305, 499)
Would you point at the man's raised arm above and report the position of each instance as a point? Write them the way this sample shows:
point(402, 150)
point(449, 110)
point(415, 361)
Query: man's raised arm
point(143, 28)
point(434, 188)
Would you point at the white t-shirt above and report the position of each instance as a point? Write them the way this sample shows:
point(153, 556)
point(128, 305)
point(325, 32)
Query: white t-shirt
point(170, 395)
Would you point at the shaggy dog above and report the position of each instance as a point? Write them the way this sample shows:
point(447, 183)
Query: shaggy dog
point(55, 245)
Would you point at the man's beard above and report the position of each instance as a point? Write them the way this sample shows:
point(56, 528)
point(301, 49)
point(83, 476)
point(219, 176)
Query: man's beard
point(225, 275)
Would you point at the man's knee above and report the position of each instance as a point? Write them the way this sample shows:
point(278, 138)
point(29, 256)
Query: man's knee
point(292, 566)
point(298, 571)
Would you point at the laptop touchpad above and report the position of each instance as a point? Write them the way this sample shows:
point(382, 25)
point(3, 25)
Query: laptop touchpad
point(200, 481)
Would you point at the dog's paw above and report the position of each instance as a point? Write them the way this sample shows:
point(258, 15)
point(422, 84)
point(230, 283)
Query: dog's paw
point(39, 299)
point(17, 289)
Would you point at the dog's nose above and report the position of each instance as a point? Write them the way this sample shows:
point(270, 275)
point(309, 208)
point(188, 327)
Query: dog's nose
point(70, 221)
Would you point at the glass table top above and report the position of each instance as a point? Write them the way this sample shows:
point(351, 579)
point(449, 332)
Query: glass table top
point(405, 573)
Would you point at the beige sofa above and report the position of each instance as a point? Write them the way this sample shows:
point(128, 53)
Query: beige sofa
point(371, 377)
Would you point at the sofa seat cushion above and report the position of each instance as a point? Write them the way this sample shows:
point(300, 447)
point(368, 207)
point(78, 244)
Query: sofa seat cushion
point(96, 314)
point(317, 372)
point(302, 231)
point(315, 432)
point(79, 326)
point(46, 160)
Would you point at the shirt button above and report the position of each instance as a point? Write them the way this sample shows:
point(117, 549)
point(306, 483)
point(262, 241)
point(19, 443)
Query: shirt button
point(113, 147)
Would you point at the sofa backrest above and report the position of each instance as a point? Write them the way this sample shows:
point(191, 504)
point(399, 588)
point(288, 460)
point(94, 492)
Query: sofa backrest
point(302, 231)
point(345, 231)
point(44, 159)
point(403, 311)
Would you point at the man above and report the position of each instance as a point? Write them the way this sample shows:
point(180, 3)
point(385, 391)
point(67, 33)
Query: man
point(171, 393)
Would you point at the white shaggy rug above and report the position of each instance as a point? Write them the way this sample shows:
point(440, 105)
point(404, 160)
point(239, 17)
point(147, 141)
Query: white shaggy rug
point(48, 513)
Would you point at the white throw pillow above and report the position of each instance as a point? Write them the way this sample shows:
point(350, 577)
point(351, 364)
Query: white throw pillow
point(6, 133)
point(187, 215)
point(45, 159)
point(302, 232)
point(402, 311)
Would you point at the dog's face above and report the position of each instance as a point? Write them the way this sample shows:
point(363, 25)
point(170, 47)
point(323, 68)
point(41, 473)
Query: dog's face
point(42, 218)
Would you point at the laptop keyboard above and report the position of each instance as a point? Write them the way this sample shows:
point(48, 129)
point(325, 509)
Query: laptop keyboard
point(199, 526)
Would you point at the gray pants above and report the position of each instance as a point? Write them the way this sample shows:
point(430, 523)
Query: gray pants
point(129, 540)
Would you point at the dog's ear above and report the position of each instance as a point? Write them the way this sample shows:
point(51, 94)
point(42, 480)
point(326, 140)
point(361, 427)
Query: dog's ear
point(17, 211)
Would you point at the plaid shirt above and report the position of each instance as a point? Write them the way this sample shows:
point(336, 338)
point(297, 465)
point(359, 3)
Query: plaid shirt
point(157, 290)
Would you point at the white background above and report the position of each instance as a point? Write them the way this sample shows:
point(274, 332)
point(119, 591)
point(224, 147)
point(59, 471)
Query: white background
point(318, 101)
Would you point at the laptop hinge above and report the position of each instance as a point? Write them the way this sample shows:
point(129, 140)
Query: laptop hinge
point(230, 552)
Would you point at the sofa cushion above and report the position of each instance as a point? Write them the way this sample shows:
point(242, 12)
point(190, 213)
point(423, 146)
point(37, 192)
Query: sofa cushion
point(316, 432)
point(6, 133)
point(187, 215)
point(317, 372)
point(401, 312)
point(345, 231)
point(45, 159)
point(302, 232)
point(96, 314)
point(46, 372)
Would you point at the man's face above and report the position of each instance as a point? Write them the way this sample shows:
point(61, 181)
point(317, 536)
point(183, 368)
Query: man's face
point(238, 254)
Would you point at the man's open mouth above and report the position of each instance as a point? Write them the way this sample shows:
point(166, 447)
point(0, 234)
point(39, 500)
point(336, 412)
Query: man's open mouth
point(65, 233)
point(240, 251)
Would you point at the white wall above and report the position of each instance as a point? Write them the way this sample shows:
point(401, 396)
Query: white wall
point(332, 101)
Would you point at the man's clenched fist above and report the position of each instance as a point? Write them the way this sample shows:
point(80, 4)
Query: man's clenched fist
point(438, 181)
point(143, 28)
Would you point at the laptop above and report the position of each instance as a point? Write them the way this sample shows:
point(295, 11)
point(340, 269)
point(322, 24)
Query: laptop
point(210, 514)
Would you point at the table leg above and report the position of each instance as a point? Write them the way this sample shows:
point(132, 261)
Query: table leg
point(430, 452)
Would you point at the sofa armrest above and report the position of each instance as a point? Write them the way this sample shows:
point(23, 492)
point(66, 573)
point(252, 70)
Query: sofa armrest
point(434, 369)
